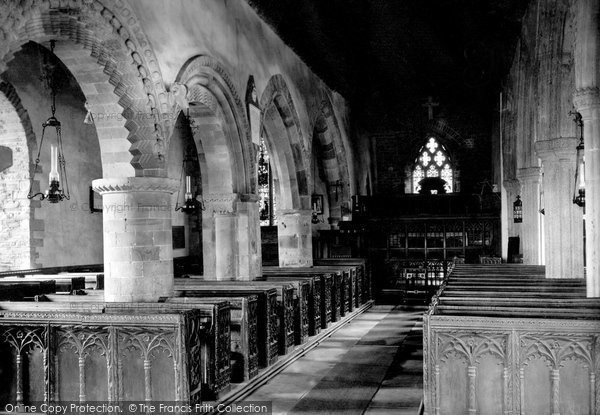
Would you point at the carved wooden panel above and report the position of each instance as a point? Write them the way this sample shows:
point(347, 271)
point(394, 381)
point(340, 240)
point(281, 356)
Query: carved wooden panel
point(272, 334)
point(510, 365)
point(318, 305)
point(100, 357)
point(19, 344)
point(287, 313)
point(252, 335)
point(305, 293)
point(328, 294)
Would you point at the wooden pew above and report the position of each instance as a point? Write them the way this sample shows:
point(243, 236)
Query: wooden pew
point(304, 317)
point(267, 311)
point(244, 332)
point(54, 336)
point(516, 324)
point(334, 287)
point(322, 289)
point(216, 378)
point(93, 280)
point(285, 302)
point(20, 290)
point(364, 289)
point(216, 370)
point(68, 284)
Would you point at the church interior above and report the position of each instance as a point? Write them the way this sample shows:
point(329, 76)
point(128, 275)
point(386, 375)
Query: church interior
point(277, 206)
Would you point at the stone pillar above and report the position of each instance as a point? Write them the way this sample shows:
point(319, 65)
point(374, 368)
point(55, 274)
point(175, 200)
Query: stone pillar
point(231, 237)
point(563, 222)
point(512, 188)
point(530, 229)
point(248, 238)
point(587, 103)
point(138, 243)
point(295, 238)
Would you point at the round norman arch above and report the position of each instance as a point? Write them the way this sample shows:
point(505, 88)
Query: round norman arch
point(17, 138)
point(219, 127)
point(117, 72)
point(285, 143)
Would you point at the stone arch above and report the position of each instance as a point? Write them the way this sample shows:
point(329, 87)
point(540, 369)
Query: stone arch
point(332, 154)
point(219, 127)
point(230, 226)
point(103, 46)
point(284, 140)
point(18, 216)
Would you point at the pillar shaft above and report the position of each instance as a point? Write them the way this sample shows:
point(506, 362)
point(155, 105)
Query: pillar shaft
point(512, 188)
point(587, 103)
point(530, 228)
point(231, 238)
point(138, 244)
point(563, 225)
point(295, 238)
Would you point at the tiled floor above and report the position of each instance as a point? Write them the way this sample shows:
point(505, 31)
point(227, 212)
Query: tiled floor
point(372, 365)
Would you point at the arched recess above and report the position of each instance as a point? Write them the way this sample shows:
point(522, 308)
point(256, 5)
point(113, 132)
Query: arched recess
point(18, 247)
point(230, 226)
point(116, 71)
point(284, 141)
point(331, 154)
point(219, 127)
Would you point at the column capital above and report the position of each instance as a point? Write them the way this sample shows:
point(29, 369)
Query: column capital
point(529, 173)
point(586, 99)
point(221, 203)
point(557, 149)
point(135, 184)
point(512, 185)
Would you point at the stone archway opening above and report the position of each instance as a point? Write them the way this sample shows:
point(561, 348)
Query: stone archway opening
point(284, 141)
point(65, 233)
point(230, 226)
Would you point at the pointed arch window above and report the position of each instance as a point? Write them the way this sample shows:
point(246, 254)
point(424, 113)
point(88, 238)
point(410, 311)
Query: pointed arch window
point(433, 161)
point(266, 203)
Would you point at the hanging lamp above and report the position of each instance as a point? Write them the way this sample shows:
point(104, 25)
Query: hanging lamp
point(58, 169)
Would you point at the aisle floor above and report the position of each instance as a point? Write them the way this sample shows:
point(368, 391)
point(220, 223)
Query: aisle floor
point(372, 365)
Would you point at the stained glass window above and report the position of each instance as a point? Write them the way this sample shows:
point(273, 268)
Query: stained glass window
point(433, 161)
point(266, 193)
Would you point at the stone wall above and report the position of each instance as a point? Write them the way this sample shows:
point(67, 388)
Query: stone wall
point(17, 249)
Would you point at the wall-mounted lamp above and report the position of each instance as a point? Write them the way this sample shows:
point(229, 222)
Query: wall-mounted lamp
point(317, 208)
point(579, 190)
point(338, 187)
point(518, 210)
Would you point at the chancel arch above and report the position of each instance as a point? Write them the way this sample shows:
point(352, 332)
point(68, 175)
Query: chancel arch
point(284, 140)
point(220, 132)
